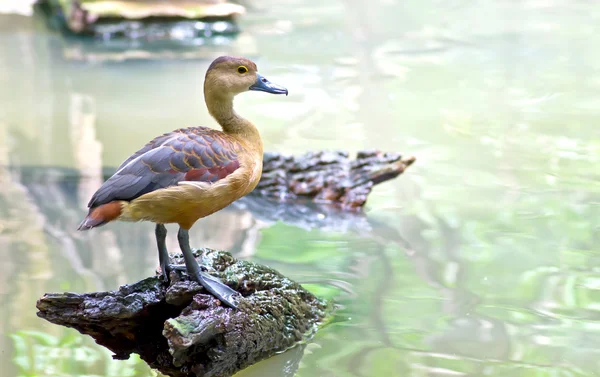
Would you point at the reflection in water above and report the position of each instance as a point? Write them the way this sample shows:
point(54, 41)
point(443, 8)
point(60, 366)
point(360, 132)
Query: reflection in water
point(387, 288)
point(480, 261)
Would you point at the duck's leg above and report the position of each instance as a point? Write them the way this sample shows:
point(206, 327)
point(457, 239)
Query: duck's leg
point(211, 283)
point(163, 255)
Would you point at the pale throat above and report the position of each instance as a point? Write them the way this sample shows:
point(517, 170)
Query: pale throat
point(220, 106)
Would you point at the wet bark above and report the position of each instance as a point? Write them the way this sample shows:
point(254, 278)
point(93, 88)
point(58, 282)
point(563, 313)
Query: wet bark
point(181, 330)
point(329, 177)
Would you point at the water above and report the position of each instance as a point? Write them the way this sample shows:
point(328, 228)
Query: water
point(481, 260)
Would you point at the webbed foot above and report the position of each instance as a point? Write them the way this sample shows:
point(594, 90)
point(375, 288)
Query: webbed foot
point(212, 284)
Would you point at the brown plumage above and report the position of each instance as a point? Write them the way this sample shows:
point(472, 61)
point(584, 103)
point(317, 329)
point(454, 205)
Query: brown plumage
point(152, 175)
point(190, 173)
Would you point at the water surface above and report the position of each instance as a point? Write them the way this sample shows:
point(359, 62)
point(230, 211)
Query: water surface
point(481, 260)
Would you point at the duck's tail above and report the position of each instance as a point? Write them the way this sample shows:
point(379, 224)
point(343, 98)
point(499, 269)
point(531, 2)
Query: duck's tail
point(98, 216)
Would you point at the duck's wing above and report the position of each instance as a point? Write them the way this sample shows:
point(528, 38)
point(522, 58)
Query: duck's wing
point(157, 141)
point(189, 154)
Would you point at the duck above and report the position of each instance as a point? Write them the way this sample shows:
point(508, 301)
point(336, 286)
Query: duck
point(190, 173)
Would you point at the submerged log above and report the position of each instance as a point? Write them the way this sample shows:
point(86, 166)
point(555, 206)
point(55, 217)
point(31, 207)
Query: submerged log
point(182, 331)
point(329, 177)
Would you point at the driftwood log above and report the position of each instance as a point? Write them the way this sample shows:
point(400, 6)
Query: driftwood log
point(182, 331)
point(329, 177)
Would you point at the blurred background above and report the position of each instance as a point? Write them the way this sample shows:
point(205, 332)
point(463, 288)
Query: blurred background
point(481, 260)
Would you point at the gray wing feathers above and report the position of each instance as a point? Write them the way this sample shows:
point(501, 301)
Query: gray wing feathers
point(137, 178)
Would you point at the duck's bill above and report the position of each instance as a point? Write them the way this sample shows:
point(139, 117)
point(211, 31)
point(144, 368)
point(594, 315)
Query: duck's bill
point(264, 85)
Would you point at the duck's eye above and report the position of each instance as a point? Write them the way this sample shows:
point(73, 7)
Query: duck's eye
point(242, 69)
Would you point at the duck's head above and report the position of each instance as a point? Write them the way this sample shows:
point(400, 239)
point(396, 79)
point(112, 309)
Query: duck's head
point(229, 76)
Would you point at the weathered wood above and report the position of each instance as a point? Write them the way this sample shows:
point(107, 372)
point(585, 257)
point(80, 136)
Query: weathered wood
point(329, 176)
point(180, 330)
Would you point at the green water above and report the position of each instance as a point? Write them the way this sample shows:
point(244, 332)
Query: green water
point(482, 259)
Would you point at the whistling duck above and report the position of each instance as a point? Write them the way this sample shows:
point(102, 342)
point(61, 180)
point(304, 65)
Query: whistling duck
point(190, 173)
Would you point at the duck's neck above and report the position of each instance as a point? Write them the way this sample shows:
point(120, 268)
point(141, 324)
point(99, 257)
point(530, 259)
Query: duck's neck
point(221, 108)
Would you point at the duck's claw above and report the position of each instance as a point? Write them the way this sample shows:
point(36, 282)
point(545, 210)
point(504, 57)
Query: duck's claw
point(165, 276)
point(166, 269)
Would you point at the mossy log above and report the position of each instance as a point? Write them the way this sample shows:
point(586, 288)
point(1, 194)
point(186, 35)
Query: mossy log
point(182, 331)
point(329, 177)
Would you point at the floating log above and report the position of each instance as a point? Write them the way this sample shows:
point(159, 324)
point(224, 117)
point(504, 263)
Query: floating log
point(106, 31)
point(135, 19)
point(182, 331)
point(329, 177)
